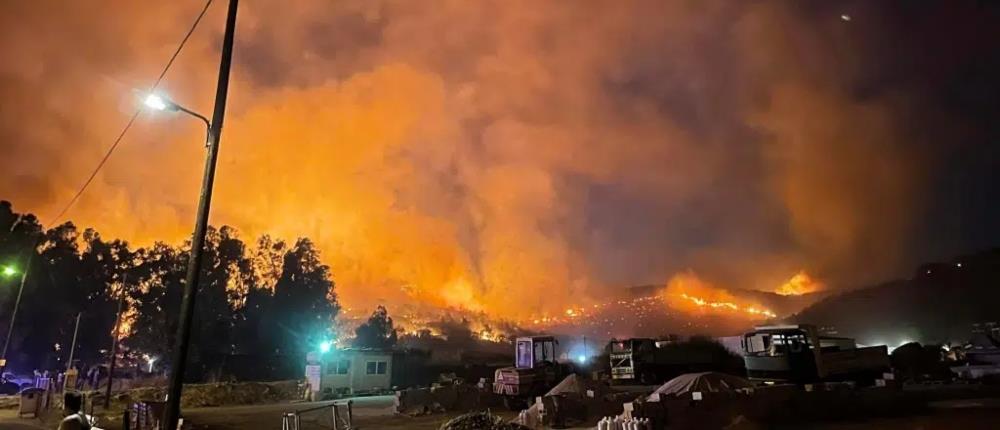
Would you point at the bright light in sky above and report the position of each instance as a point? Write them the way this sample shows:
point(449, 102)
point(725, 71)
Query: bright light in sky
point(581, 358)
point(9, 271)
point(325, 346)
point(154, 101)
point(845, 17)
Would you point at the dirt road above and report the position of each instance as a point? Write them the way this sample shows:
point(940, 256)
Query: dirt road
point(313, 414)
point(369, 413)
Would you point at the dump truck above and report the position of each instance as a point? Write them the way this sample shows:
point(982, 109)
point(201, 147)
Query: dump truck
point(535, 371)
point(798, 354)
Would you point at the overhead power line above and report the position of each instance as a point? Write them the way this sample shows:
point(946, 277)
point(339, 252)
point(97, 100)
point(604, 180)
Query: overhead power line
point(132, 119)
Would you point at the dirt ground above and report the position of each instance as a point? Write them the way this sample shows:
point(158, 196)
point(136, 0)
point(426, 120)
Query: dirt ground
point(972, 419)
point(969, 414)
point(369, 413)
point(375, 413)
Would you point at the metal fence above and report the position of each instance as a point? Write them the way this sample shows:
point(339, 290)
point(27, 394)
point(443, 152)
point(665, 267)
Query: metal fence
point(336, 416)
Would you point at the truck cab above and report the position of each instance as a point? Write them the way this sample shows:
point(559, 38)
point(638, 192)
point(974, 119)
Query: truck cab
point(797, 353)
point(628, 358)
point(534, 351)
point(535, 370)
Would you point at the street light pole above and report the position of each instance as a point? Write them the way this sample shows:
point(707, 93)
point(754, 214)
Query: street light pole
point(13, 315)
point(201, 226)
point(72, 346)
point(114, 344)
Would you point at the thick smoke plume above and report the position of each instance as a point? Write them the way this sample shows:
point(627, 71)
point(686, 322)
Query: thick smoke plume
point(510, 158)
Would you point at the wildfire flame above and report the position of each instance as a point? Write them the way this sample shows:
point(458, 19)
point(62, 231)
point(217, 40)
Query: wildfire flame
point(689, 293)
point(429, 321)
point(728, 305)
point(685, 292)
point(799, 284)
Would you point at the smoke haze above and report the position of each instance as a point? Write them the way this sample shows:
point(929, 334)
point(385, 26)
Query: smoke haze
point(507, 157)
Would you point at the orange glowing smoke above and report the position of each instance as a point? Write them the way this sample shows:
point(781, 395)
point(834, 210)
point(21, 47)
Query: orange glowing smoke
point(689, 293)
point(457, 170)
point(799, 284)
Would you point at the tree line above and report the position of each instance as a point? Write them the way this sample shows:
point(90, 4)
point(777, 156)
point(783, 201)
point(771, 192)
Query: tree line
point(261, 306)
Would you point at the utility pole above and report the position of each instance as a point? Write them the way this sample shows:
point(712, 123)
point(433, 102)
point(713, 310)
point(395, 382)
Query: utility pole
point(72, 347)
point(201, 226)
point(13, 315)
point(114, 345)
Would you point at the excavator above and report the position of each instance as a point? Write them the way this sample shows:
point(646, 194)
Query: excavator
point(535, 371)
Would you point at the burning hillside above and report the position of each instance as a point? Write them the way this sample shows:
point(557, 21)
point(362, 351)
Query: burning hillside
point(689, 293)
point(688, 304)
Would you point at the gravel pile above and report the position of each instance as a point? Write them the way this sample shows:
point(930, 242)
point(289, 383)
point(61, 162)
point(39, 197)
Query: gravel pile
point(480, 421)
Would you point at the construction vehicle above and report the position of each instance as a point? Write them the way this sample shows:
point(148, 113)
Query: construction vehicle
point(798, 354)
point(634, 360)
point(650, 361)
point(535, 371)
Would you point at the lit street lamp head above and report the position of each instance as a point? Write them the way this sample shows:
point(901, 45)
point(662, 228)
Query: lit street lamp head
point(156, 102)
point(9, 271)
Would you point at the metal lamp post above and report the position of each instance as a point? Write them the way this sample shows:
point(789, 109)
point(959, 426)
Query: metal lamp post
point(201, 224)
point(9, 271)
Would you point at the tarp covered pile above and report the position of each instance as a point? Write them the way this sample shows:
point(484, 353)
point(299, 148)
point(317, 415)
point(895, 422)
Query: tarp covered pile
point(704, 382)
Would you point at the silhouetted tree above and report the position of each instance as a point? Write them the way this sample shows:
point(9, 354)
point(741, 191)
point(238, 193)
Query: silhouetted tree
point(305, 303)
point(268, 303)
point(213, 312)
point(101, 277)
point(377, 332)
point(159, 281)
point(253, 334)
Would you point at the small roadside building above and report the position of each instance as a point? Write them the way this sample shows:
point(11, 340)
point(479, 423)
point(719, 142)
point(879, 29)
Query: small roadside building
point(356, 371)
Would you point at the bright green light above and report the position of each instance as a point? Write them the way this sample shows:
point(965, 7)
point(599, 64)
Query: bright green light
point(325, 346)
point(9, 271)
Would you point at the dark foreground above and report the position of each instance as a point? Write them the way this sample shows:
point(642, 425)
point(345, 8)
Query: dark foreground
point(376, 413)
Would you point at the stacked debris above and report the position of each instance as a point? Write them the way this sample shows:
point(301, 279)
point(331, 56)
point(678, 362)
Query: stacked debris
point(575, 400)
point(458, 396)
point(480, 421)
point(218, 394)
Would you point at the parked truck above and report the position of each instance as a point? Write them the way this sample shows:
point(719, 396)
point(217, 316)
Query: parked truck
point(798, 354)
point(651, 361)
